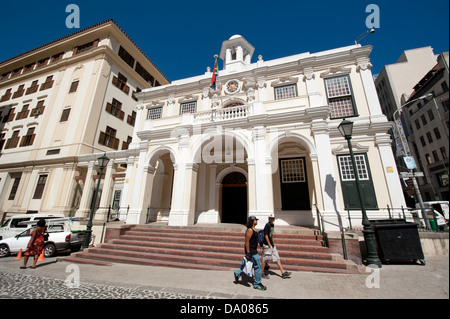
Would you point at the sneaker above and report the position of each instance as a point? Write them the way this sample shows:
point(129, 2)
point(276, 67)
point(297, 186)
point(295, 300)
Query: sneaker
point(236, 279)
point(286, 275)
point(261, 287)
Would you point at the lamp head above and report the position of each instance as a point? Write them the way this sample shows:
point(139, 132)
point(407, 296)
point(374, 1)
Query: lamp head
point(346, 129)
point(103, 161)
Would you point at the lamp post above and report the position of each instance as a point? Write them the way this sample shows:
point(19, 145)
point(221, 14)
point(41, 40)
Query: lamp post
point(102, 162)
point(346, 130)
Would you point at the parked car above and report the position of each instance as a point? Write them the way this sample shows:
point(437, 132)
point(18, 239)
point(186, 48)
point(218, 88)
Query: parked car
point(60, 238)
point(14, 226)
point(440, 206)
point(417, 215)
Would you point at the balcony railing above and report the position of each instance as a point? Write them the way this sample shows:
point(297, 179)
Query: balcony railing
point(226, 114)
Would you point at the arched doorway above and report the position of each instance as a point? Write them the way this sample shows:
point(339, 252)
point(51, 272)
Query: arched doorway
point(234, 198)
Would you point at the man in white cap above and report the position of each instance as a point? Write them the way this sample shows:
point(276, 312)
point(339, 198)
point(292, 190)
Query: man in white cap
point(270, 252)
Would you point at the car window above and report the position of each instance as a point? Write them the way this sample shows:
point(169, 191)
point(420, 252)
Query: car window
point(26, 233)
point(15, 222)
point(6, 223)
point(55, 228)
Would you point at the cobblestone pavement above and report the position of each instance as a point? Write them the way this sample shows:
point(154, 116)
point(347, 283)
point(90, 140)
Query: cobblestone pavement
point(20, 286)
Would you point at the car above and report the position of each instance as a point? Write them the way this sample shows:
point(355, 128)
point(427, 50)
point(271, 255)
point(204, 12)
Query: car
point(14, 225)
point(417, 215)
point(59, 239)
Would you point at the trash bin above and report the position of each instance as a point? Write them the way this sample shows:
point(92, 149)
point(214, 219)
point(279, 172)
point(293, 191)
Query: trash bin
point(433, 224)
point(397, 240)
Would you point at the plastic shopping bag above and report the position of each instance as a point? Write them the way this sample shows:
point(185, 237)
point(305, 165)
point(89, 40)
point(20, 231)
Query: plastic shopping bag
point(247, 267)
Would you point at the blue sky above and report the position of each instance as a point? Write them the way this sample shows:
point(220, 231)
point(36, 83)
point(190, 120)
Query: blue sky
point(181, 37)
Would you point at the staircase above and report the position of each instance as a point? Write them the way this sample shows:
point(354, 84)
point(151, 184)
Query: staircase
point(210, 248)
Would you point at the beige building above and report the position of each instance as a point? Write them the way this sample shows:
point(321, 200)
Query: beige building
point(73, 96)
point(429, 125)
point(265, 140)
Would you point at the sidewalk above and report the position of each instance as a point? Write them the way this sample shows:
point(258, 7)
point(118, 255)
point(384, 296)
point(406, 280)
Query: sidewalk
point(395, 281)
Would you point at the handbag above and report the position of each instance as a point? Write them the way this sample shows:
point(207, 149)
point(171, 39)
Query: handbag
point(247, 267)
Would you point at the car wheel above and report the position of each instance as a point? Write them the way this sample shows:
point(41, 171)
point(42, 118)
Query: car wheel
point(49, 250)
point(4, 251)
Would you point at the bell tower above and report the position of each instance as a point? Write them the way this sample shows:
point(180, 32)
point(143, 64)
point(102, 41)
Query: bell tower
point(236, 53)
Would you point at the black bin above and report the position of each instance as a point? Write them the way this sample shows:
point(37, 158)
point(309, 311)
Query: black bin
point(397, 240)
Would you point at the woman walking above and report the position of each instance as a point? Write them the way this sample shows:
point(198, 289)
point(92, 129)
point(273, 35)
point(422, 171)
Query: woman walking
point(251, 252)
point(35, 245)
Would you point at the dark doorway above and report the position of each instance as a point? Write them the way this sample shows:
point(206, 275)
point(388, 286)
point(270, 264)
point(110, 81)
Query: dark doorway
point(294, 184)
point(234, 198)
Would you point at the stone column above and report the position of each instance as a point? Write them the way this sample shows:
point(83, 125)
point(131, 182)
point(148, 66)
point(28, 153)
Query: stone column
point(85, 202)
point(105, 200)
point(363, 68)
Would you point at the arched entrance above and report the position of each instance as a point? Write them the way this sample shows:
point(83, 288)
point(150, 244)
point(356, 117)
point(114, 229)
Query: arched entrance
point(234, 198)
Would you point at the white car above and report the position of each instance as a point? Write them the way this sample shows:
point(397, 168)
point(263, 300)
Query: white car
point(58, 240)
point(417, 215)
point(14, 225)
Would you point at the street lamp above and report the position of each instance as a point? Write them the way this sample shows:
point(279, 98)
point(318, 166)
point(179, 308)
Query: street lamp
point(102, 162)
point(365, 34)
point(346, 130)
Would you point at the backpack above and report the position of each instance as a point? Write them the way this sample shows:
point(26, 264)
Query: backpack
point(261, 236)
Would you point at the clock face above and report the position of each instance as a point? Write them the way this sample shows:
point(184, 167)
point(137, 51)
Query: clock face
point(232, 86)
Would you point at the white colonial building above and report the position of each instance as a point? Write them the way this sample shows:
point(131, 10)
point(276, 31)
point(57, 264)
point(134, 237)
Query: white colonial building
point(265, 141)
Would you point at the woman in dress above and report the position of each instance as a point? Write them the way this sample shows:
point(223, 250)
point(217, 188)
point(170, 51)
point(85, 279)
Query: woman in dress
point(35, 245)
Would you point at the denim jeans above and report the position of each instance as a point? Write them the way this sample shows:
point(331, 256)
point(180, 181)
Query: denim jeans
point(257, 267)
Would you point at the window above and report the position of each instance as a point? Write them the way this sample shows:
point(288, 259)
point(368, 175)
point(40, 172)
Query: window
point(126, 57)
point(348, 183)
point(65, 115)
point(28, 139)
point(424, 120)
point(20, 91)
point(57, 57)
point(48, 84)
point(422, 141)
point(340, 97)
point(190, 107)
point(9, 117)
point(42, 63)
point(292, 171)
point(429, 137)
point(85, 47)
point(120, 82)
point(115, 108)
point(24, 113)
point(435, 156)
point(39, 109)
point(437, 133)
point(430, 115)
point(144, 74)
point(428, 158)
point(346, 167)
point(40, 187)
point(443, 153)
point(14, 188)
point(2, 140)
point(154, 114)
point(16, 72)
point(417, 124)
point(134, 92)
point(444, 86)
point(13, 141)
point(443, 179)
point(132, 118)
point(33, 88)
point(74, 86)
point(285, 92)
point(6, 96)
point(126, 144)
point(108, 138)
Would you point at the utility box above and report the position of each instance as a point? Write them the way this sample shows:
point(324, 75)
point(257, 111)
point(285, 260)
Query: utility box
point(397, 240)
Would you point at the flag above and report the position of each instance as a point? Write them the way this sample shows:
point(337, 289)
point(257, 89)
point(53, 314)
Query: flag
point(215, 75)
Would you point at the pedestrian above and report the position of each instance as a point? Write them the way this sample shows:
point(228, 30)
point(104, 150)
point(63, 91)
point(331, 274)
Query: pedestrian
point(251, 252)
point(35, 245)
point(270, 252)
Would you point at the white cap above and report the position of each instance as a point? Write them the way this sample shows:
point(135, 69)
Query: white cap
point(271, 215)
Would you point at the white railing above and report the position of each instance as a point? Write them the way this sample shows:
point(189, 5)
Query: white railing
point(226, 114)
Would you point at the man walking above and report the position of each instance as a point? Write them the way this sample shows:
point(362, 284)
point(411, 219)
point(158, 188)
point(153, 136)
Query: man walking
point(270, 252)
point(251, 252)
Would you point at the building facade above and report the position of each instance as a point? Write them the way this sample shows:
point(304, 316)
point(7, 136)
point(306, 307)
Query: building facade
point(428, 120)
point(73, 96)
point(263, 140)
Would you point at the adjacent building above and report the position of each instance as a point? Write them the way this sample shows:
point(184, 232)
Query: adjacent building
point(263, 140)
point(73, 96)
point(428, 120)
